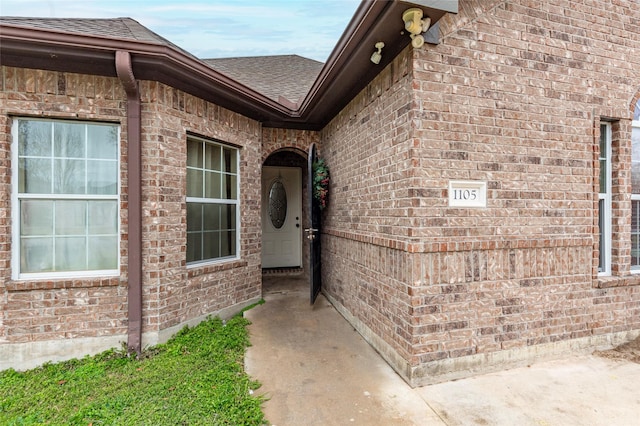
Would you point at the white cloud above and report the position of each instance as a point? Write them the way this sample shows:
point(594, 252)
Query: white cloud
point(216, 28)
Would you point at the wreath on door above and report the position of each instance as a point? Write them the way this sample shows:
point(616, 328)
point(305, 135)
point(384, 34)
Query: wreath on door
point(321, 182)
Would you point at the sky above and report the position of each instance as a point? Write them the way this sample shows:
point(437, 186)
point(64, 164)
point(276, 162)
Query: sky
point(216, 28)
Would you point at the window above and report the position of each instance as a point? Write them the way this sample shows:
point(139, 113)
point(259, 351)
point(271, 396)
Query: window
point(635, 190)
point(66, 194)
point(604, 200)
point(212, 201)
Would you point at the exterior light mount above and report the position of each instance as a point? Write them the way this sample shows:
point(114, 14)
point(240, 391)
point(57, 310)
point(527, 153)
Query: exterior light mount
point(415, 25)
point(377, 55)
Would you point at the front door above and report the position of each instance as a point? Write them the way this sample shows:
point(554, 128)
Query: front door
point(281, 217)
point(313, 233)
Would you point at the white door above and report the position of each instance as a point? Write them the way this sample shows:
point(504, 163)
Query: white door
point(281, 217)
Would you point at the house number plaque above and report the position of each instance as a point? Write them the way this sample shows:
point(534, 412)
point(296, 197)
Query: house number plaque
point(464, 193)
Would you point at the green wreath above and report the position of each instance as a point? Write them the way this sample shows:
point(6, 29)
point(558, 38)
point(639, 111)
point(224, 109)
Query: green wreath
point(320, 182)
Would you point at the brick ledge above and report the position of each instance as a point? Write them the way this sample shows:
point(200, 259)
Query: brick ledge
point(205, 269)
point(16, 286)
point(455, 246)
point(611, 282)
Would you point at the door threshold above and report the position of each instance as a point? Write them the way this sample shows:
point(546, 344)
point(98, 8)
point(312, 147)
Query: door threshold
point(288, 271)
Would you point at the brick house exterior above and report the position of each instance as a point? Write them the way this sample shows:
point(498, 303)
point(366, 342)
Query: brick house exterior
point(515, 96)
point(52, 317)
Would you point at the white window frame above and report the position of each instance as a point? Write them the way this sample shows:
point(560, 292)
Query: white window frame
point(605, 252)
point(236, 202)
point(16, 198)
point(635, 126)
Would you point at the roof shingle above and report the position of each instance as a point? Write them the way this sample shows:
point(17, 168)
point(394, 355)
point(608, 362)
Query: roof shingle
point(289, 76)
point(121, 28)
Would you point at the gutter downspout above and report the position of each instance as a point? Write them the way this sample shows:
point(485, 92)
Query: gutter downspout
point(134, 292)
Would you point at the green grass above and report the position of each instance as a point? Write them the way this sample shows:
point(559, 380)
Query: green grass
point(195, 378)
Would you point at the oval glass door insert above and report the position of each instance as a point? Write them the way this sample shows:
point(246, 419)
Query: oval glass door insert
point(277, 204)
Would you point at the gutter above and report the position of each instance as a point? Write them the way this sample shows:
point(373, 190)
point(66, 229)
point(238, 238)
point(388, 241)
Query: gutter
point(124, 71)
point(56, 50)
point(347, 71)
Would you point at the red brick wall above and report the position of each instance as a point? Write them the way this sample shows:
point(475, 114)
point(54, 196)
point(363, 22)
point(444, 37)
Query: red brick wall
point(292, 142)
point(32, 311)
point(274, 140)
point(513, 96)
point(368, 225)
point(37, 311)
point(174, 293)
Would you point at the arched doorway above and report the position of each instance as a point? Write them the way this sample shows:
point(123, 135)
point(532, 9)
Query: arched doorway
point(284, 212)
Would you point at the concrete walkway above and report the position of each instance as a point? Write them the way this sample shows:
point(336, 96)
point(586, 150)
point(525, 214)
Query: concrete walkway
point(315, 369)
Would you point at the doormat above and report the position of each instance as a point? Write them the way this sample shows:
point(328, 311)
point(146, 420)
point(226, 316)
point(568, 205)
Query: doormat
point(282, 271)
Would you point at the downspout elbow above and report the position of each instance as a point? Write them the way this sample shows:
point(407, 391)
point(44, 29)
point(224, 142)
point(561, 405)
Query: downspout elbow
point(124, 71)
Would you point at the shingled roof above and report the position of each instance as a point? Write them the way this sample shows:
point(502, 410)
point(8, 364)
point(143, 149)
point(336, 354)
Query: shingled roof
point(289, 76)
point(123, 28)
point(279, 91)
point(112, 28)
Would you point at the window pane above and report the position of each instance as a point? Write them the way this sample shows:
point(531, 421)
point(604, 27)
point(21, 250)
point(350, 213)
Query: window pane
point(102, 177)
point(194, 153)
point(211, 245)
point(102, 142)
point(103, 252)
point(194, 183)
point(68, 140)
point(228, 244)
point(211, 217)
point(62, 168)
point(103, 217)
point(228, 217)
point(603, 176)
point(194, 246)
point(213, 178)
point(36, 217)
point(69, 177)
point(212, 158)
point(636, 111)
point(603, 141)
point(230, 161)
point(194, 217)
point(635, 233)
point(71, 217)
point(212, 185)
point(635, 160)
point(601, 217)
point(34, 138)
point(230, 185)
point(34, 175)
point(70, 254)
point(36, 255)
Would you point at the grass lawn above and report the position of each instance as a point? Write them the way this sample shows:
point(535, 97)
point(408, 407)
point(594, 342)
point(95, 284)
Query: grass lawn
point(195, 378)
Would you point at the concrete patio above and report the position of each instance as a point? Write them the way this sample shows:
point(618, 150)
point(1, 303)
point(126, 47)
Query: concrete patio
point(315, 369)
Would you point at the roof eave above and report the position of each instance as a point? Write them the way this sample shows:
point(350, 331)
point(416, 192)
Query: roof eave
point(347, 71)
point(349, 68)
point(66, 52)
